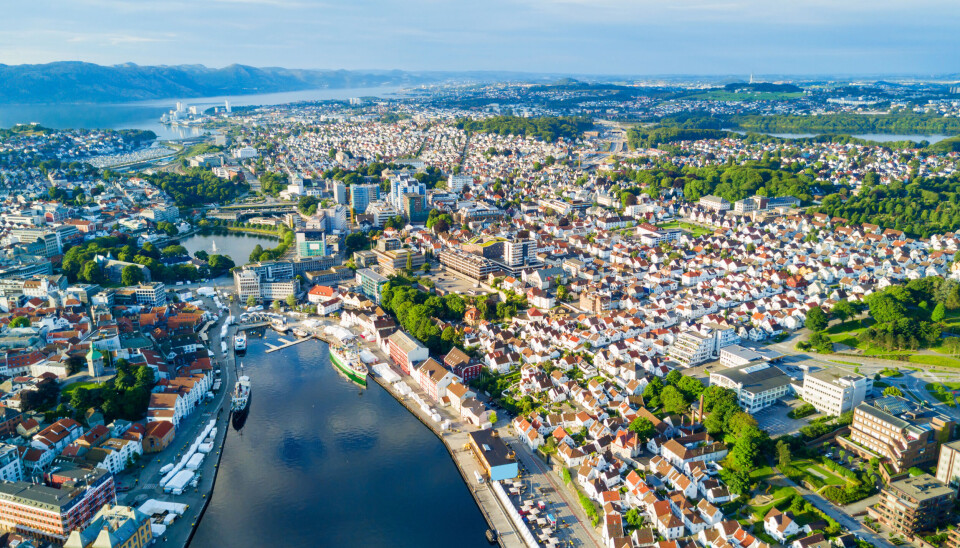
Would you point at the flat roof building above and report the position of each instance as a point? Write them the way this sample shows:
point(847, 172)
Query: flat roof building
point(915, 504)
point(835, 394)
point(758, 386)
point(498, 461)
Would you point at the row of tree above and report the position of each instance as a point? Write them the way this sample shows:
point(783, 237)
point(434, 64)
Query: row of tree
point(198, 186)
point(546, 128)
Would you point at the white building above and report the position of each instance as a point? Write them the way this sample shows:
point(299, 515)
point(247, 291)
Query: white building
point(117, 453)
point(834, 394)
point(244, 153)
point(11, 469)
point(758, 386)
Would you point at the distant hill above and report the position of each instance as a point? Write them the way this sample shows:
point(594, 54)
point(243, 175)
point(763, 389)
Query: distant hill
point(77, 82)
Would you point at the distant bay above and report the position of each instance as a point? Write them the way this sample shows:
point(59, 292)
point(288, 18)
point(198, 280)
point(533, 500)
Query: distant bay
point(146, 114)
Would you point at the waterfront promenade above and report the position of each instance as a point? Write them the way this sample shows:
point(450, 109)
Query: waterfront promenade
point(146, 479)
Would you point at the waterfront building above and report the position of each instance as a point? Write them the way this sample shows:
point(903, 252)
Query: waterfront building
point(161, 214)
point(497, 460)
point(67, 500)
point(114, 527)
point(406, 351)
point(158, 436)
point(834, 394)
point(758, 386)
point(915, 504)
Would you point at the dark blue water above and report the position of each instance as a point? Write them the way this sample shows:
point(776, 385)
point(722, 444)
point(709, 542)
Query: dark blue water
point(318, 464)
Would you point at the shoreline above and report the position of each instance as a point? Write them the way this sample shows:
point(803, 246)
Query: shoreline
point(492, 522)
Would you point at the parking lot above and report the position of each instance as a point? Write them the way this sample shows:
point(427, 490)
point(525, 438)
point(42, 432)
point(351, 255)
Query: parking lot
point(774, 419)
point(448, 282)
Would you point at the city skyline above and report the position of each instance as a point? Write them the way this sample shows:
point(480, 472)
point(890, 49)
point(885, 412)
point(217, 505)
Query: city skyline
point(538, 36)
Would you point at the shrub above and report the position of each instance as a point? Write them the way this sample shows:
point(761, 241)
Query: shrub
point(804, 410)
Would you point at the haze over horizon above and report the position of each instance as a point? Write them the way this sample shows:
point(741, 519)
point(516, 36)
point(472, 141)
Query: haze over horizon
point(633, 37)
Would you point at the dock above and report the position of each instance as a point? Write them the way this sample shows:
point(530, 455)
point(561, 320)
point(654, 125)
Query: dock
point(483, 495)
point(288, 344)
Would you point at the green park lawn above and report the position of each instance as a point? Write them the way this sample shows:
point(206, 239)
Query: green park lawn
point(809, 468)
point(950, 386)
point(68, 390)
point(942, 361)
point(695, 230)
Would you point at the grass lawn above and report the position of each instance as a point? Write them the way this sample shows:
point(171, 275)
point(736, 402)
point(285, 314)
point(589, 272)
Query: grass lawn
point(841, 362)
point(927, 359)
point(779, 497)
point(68, 390)
point(950, 386)
point(695, 230)
point(762, 473)
point(807, 467)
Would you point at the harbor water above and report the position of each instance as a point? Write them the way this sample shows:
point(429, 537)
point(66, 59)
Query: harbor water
point(322, 462)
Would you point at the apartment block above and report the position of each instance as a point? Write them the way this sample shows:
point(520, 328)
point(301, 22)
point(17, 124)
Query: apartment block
point(918, 503)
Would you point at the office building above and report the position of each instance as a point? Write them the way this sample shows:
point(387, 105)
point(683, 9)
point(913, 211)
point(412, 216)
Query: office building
point(266, 281)
point(67, 500)
point(311, 243)
point(114, 527)
point(456, 183)
point(415, 207)
point(340, 193)
point(371, 283)
point(893, 429)
point(397, 260)
point(915, 504)
point(361, 196)
point(758, 386)
point(151, 294)
point(468, 264)
point(834, 394)
point(714, 203)
point(161, 214)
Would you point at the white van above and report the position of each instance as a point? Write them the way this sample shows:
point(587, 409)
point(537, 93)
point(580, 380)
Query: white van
point(478, 476)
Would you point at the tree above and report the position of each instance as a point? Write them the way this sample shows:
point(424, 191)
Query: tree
point(410, 262)
point(251, 301)
point(91, 272)
point(643, 428)
point(255, 254)
point(291, 300)
point(219, 264)
point(691, 388)
point(131, 275)
point(783, 453)
point(673, 377)
point(563, 293)
point(939, 312)
point(174, 251)
point(892, 391)
point(202, 255)
point(745, 451)
point(20, 321)
point(275, 305)
point(843, 310)
point(634, 518)
point(651, 394)
point(493, 417)
point(740, 424)
point(673, 401)
point(816, 319)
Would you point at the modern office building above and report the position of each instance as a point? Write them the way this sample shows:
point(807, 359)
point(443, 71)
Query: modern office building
point(396, 260)
point(758, 386)
point(456, 183)
point(151, 294)
point(894, 430)
point(915, 504)
point(361, 196)
point(834, 394)
point(114, 527)
point(415, 207)
point(340, 193)
point(520, 251)
point(311, 243)
point(371, 283)
point(472, 266)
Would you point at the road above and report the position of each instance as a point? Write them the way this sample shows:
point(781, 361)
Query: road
point(847, 522)
point(558, 496)
point(145, 480)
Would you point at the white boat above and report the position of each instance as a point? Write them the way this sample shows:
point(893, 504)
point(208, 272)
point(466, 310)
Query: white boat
point(241, 395)
point(240, 342)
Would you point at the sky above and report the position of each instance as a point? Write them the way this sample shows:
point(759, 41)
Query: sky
point(628, 37)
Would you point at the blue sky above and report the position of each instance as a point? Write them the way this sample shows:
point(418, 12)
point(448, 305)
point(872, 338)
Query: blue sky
point(558, 36)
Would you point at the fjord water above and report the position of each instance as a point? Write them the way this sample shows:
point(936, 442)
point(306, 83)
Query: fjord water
point(146, 114)
point(320, 464)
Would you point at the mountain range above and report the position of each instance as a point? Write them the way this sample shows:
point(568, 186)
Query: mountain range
point(77, 82)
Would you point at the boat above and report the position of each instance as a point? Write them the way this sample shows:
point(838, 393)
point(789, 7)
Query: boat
point(346, 358)
point(240, 343)
point(300, 332)
point(241, 396)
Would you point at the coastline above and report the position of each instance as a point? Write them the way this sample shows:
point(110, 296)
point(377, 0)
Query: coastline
point(486, 501)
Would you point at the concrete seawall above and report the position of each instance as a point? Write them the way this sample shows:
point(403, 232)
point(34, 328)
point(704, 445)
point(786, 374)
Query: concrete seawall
point(483, 496)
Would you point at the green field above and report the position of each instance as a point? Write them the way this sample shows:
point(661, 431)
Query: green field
point(810, 468)
point(942, 398)
point(942, 361)
point(695, 230)
point(68, 390)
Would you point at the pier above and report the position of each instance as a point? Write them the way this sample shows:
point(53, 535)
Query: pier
point(272, 348)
